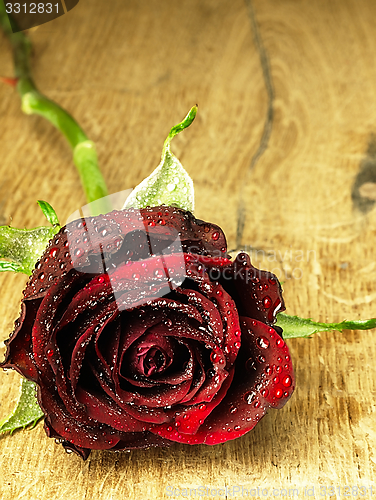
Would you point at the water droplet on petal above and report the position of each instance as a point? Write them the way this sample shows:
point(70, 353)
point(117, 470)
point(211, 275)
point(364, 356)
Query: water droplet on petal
point(54, 252)
point(268, 370)
point(263, 342)
point(267, 302)
point(279, 393)
point(280, 342)
point(78, 252)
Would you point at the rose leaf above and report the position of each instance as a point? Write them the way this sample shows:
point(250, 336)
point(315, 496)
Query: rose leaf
point(49, 212)
point(295, 327)
point(23, 247)
point(169, 184)
point(27, 410)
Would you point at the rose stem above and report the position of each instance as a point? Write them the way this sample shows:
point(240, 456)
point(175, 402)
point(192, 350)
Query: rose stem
point(34, 102)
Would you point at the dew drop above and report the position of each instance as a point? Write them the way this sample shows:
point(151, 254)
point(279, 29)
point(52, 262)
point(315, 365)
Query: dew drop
point(261, 359)
point(250, 365)
point(287, 381)
point(54, 252)
point(267, 301)
point(215, 235)
point(263, 342)
point(279, 393)
point(264, 393)
point(78, 252)
point(280, 342)
point(213, 357)
point(249, 397)
point(268, 370)
point(233, 410)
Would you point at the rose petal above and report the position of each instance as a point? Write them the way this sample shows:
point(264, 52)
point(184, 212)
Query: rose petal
point(66, 427)
point(19, 354)
point(103, 409)
point(103, 235)
point(188, 421)
point(270, 383)
point(257, 293)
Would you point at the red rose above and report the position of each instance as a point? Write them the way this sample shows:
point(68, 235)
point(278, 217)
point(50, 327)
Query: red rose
point(140, 331)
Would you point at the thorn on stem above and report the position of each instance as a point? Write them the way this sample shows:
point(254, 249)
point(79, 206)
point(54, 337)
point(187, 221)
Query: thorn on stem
point(9, 81)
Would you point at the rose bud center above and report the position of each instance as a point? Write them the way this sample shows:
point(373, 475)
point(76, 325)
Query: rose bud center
point(153, 361)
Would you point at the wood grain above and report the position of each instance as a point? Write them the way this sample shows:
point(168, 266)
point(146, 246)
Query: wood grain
point(128, 70)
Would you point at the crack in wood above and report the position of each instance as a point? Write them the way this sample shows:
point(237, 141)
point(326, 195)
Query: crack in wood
point(265, 66)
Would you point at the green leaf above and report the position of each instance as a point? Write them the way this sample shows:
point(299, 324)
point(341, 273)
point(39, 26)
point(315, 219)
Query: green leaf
point(49, 212)
point(27, 410)
point(24, 247)
point(295, 327)
point(169, 184)
point(10, 266)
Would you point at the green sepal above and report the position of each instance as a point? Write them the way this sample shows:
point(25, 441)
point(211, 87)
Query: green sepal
point(49, 212)
point(24, 247)
point(169, 184)
point(26, 412)
point(295, 327)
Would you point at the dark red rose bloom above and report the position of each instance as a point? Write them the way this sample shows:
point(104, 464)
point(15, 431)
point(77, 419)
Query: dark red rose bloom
point(141, 331)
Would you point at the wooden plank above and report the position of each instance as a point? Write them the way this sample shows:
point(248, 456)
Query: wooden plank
point(128, 70)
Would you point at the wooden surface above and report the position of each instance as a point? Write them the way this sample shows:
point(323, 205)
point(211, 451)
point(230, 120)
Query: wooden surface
point(286, 123)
